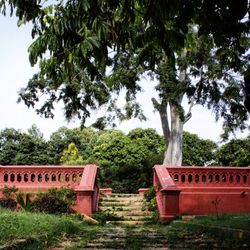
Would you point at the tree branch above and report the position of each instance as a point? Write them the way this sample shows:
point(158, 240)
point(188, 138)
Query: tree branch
point(164, 121)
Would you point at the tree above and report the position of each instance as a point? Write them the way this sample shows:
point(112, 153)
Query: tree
point(195, 49)
point(197, 151)
point(234, 153)
point(17, 148)
point(71, 156)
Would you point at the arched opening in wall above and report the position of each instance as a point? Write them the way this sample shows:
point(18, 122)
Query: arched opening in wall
point(224, 178)
point(231, 179)
point(244, 179)
point(196, 178)
point(12, 177)
point(183, 178)
point(217, 178)
point(80, 176)
point(60, 177)
point(176, 177)
point(237, 178)
point(47, 177)
point(26, 178)
point(210, 178)
point(32, 177)
point(53, 177)
point(19, 178)
point(190, 178)
point(5, 177)
point(74, 177)
point(204, 178)
point(67, 178)
point(40, 178)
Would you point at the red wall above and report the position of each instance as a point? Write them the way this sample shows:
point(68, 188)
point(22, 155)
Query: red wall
point(202, 190)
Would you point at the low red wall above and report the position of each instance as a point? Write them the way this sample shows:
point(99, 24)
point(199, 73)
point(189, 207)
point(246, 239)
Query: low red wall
point(41, 178)
point(202, 190)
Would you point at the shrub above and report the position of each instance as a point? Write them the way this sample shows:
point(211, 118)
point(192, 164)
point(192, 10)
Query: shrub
point(8, 203)
point(55, 201)
point(7, 191)
point(150, 194)
point(50, 204)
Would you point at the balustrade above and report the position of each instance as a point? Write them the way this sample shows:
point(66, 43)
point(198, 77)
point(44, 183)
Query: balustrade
point(210, 176)
point(21, 176)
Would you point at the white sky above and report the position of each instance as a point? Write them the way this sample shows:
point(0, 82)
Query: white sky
point(15, 71)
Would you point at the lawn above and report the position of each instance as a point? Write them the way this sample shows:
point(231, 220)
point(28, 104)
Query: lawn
point(23, 230)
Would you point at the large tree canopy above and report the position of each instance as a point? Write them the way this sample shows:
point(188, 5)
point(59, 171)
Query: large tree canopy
point(88, 51)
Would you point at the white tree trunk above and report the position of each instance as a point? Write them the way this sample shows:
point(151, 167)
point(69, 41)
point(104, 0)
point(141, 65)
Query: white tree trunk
point(173, 154)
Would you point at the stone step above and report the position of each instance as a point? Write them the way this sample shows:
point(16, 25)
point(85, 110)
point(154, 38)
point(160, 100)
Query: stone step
point(128, 222)
point(120, 203)
point(134, 208)
point(124, 195)
point(131, 213)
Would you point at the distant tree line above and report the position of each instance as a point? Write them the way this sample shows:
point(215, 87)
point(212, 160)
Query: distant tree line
point(125, 160)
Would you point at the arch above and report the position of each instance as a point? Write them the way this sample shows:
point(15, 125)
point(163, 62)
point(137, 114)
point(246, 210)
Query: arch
point(183, 178)
point(217, 178)
point(53, 177)
point(5, 177)
point(47, 177)
point(32, 177)
point(12, 177)
point(204, 178)
point(26, 177)
point(224, 178)
point(190, 178)
point(67, 177)
point(19, 177)
point(176, 177)
point(60, 177)
point(231, 178)
point(210, 178)
point(39, 177)
point(74, 177)
point(196, 178)
point(237, 178)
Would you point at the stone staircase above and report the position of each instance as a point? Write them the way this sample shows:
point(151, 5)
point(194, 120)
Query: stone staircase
point(128, 209)
point(130, 227)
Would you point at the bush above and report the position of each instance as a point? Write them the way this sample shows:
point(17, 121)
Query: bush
point(50, 204)
point(150, 194)
point(8, 203)
point(55, 201)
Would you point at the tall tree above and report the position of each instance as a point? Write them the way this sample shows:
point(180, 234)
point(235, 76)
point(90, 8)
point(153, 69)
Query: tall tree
point(195, 49)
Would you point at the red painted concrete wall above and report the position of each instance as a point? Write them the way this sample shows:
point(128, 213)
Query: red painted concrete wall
point(202, 190)
point(41, 178)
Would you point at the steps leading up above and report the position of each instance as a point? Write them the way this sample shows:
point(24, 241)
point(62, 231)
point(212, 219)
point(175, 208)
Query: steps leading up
point(127, 209)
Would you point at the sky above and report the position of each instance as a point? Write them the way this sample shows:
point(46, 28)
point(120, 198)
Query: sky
point(15, 71)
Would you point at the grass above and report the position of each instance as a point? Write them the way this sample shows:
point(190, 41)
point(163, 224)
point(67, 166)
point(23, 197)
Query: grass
point(221, 232)
point(38, 231)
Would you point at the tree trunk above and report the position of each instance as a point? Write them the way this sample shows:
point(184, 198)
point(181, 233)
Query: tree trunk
point(173, 154)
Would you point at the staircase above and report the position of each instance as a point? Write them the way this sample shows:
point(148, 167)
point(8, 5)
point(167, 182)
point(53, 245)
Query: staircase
point(127, 209)
point(129, 228)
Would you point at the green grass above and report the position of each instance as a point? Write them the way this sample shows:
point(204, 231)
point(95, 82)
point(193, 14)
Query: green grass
point(226, 231)
point(37, 231)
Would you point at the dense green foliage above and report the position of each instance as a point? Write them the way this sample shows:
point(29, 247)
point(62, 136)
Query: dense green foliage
point(197, 151)
point(125, 160)
point(234, 153)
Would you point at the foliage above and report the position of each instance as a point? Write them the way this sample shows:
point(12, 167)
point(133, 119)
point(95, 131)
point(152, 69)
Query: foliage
point(150, 194)
point(103, 217)
point(8, 203)
point(126, 161)
point(8, 191)
point(234, 153)
point(197, 151)
point(39, 230)
point(54, 201)
point(17, 148)
point(25, 203)
point(71, 156)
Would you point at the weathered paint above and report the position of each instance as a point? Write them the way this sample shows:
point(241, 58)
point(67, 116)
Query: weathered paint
point(201, 190)
point(41, 178)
